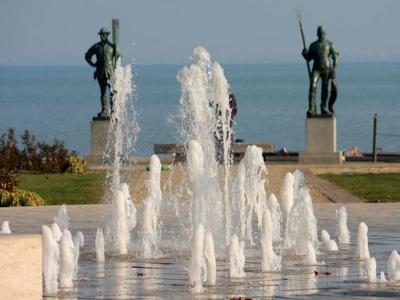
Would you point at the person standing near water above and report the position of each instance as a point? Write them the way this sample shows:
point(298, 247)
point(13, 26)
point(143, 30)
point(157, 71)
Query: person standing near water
point(219, 141)
point(232, 105)
point(107, 55)
point(321, 52)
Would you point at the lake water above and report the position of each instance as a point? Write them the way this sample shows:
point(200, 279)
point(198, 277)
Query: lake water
point(60, 101)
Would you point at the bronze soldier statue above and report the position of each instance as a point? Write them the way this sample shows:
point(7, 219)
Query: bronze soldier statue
point(321, 52)
point(106, 57)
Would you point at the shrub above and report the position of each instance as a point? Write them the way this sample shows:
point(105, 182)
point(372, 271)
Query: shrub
point(20, 198)
point(35, 156)
point(75, 164)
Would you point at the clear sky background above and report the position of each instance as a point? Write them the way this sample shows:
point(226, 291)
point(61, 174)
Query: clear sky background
point(53, 32)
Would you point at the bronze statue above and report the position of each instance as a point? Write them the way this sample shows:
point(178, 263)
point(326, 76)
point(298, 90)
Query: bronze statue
point(322, 52)
point(106, 57)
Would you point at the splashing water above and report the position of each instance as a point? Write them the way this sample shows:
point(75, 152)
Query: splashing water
point(362, 251)
point(205, 118)
point(67, 260)
point(301, 224)
point(341, 226)
point(254, 188)
point(62, 218)
point(311, 256)
point(121, 142)
point(197, 260)
point(325, 237)
point(276, 217)
point(151, 210)
point(51, 257)
point(393, 266)
point(5, 227)
point(56, 231)
point(287, 194)
point(370, 269)
point(236, 258)
point(331, 245)
point(270, 260)
point(211, 263)
point(99, 245)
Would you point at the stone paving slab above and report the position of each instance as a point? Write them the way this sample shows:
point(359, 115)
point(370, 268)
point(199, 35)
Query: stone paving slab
point(129, 277)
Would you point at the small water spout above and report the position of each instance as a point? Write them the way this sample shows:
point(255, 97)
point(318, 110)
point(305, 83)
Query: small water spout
point(311, 256)
point(270, 260)
point(197, 260)
point(5, 227)
point(209, 256)
point(51, 258)
point(56, 231)
point(331, 245)
point(362, 242)
point(120, 233)
point(62, 218)
point(287, 195)
point(393, 266)
point(99, 245)
point(301, 225)
point(341, 226)
point(236, 258)
point(67, 259)
point(325, 236)
point(151, 210)
point(276, 217)
point(370, 269)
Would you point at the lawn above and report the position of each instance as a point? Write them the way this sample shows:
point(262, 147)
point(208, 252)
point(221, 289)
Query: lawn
point(58, 189)
point(382, 187)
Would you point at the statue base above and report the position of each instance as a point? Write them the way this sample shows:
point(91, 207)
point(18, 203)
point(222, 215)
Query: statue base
point(320, 142)
point(98, 140)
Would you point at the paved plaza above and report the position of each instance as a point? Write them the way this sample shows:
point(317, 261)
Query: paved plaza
point(128, 277)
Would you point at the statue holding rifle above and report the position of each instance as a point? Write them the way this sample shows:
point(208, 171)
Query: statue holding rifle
point(106, 56)
point(321, 52)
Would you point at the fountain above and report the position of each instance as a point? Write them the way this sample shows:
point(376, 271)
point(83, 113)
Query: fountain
point(212, 244)
point(362, 252)
point(341, 226)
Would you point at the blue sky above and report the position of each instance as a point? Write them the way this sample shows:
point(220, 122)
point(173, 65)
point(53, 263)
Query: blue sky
point(53, 32)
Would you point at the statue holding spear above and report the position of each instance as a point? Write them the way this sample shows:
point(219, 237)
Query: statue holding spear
point(321, 52)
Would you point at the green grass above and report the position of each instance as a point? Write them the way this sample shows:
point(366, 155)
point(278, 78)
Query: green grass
point(58, 189)
point(382, 187)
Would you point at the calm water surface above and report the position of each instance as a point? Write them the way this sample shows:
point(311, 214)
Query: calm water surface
point(60, 101)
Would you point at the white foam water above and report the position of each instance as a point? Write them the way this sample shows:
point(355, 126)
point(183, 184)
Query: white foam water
point(311, 256)
point(370, 269)
point(62, 218)
point(276, 217)
point(342, 230)
point(5, 227)
point(236, 258)
point(211, 262)
point(67, 260)
point(51, 257)
point(301, 227)
point(393, 266)
point(325, 236)
point(287, 194)
point(197, 260)
point(362, 252)
point(120, 233)
point(270, 260)
point(331, 245)
point(100, 245)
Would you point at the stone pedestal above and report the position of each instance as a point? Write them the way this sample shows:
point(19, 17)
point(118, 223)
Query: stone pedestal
point(21, 266)
point(320, 142)
point(98, 140)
